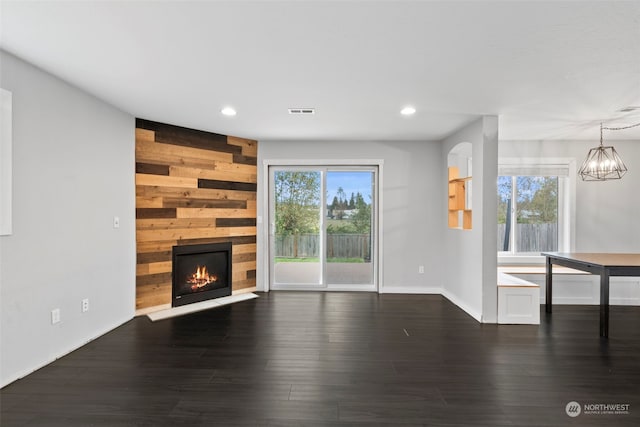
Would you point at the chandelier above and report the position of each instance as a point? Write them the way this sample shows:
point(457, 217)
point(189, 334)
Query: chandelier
point(603, 162)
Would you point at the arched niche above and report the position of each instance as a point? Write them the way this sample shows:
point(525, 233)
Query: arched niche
point(459, 172)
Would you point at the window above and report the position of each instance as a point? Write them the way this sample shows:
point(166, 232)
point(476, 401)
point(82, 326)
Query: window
point(533, 209)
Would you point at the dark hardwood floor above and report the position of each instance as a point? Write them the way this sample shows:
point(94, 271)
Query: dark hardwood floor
point(339, 359)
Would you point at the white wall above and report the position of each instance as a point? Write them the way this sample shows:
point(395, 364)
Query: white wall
point(469, 257)
point(607, 216)
point(412, 206)
point(73, 171)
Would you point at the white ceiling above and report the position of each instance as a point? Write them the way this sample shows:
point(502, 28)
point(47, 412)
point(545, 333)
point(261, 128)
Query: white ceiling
point(550, 70)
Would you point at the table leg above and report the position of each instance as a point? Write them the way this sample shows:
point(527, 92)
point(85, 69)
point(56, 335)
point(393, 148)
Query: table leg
point(604, 303)
point(549, 286)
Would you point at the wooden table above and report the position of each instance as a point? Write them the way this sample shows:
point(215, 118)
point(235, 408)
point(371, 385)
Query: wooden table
point(605, 265)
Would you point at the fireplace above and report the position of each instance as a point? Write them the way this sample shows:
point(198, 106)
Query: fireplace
point(200, 272)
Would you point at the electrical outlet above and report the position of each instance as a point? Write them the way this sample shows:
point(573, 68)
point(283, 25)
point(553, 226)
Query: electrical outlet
point(55, 316)
point(421, 269)
point(116, 222)
point(85, 305)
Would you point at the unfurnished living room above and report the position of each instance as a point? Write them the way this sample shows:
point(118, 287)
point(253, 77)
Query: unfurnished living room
point(319, 213)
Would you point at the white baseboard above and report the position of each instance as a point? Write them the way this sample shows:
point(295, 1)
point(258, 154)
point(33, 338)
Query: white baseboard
point(591, 301)
point(410, 290)
point(454, 299)
point(72, 348)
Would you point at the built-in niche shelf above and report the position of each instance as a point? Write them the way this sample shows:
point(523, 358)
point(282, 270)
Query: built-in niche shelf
point(458, 200)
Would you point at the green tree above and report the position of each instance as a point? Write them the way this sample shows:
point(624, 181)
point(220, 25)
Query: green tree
point(361, 219)
point(333, 206)
point(342, 203)
point(504, 194)
point(297, 204)
point(545, 200)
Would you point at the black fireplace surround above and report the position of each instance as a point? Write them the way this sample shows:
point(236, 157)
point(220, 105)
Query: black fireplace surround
point(200, 272)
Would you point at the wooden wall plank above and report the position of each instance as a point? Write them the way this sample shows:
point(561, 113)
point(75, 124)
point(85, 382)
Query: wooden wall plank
point(155, 213)
point(150, 257)
point(193, 193)
point(244, 249)
point(169, 223)
point(192, 187)
point(165, 181)
point(173, 202)
point(152, 169)
point(235, 240)
point(155, 246)
point(243, 284)
point(146, 149)
point(145, 135)
point(191, 172)
point(193, 233)
point(214, 213)
point(244, 257)
point(249, 146)
point(226, 185)
point(235, 222)
point(149, 202)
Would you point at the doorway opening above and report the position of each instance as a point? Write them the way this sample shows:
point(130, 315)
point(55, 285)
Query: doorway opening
point(323, 227)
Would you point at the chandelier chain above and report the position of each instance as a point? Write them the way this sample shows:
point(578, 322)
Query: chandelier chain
point(620, 128)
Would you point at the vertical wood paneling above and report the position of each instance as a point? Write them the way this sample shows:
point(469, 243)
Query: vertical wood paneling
point(191, 187)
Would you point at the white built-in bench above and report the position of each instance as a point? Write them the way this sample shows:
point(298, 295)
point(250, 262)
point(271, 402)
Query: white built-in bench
point(518, 300)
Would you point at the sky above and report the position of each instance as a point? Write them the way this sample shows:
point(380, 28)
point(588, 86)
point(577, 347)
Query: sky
point(351, 182)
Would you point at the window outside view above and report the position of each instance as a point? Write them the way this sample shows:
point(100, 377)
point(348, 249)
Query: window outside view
point(527, 214)
point(299, 237)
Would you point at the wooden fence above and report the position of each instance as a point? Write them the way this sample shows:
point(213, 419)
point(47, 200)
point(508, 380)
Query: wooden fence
point(338, 246)
point(532, 237)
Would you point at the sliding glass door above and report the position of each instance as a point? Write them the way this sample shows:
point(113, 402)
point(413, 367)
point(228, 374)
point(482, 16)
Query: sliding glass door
point(296, 227)
point(349, 214)
point(323, 228)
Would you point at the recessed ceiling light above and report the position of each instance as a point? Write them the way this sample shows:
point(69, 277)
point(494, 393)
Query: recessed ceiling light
point(407, 111)
point(228, 111)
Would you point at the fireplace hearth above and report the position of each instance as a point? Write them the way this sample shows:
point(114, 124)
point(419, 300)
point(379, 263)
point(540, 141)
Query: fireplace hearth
point(201, 272)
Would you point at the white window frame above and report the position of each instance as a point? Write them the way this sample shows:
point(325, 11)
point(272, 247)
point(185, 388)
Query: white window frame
point(566, 172)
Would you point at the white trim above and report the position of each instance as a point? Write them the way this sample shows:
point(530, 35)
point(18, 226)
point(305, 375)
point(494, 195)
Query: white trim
point(265, 210)
point(379, 227)
point(463, 306)
point(321, 162)
point(566, 208)
point(411, 290)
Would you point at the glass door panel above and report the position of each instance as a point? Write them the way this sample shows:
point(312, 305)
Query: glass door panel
point(296, 227)
point(349, 224)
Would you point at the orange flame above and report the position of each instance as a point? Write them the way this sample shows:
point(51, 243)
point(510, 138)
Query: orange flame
point(201, 278)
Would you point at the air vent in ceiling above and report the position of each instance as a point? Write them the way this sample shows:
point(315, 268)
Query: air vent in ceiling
point(302, 111)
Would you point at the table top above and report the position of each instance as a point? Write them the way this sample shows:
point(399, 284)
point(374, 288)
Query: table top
point(602, 259)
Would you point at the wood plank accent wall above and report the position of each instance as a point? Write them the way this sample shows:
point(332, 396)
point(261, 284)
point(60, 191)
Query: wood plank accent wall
point(192, 187)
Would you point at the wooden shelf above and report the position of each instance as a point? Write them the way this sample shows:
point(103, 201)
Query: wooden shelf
point(457, 204)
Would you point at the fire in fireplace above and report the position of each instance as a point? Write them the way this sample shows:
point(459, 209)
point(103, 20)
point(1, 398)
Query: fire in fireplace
point(201, 272)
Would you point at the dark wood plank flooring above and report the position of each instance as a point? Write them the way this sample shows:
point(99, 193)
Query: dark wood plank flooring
point(339, 359)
